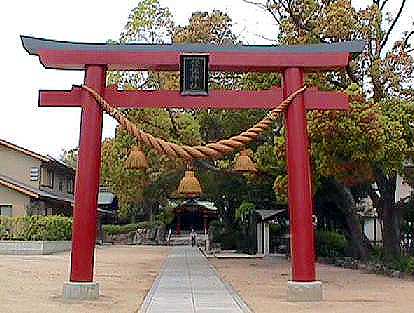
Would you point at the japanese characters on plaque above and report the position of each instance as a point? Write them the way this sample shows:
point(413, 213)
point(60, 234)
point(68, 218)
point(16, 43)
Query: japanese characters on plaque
point(194, 75)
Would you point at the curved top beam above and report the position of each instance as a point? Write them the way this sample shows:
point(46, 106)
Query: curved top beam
point(138, 56)
point(34, 45)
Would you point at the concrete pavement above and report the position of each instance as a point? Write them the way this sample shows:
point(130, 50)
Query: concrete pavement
point(188, 284)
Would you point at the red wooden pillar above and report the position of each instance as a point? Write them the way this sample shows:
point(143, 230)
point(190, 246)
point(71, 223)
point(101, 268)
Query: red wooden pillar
point(299, 180)
point(87, 180)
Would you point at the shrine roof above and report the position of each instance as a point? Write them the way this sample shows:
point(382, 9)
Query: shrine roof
point(141, 56)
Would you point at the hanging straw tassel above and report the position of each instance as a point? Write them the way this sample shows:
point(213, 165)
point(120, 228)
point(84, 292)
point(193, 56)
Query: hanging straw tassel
point(244, 163)
point(189, 185)
point(136, 160)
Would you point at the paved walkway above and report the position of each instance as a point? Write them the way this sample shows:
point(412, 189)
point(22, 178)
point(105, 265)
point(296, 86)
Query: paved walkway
point(188, 284)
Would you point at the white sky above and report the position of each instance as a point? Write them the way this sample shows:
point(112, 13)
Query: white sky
point(49, 130)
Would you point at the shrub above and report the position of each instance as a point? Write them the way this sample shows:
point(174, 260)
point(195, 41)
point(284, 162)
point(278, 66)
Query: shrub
point(403, 264)
point(112, 229)
point(233, 239)
point(330, 244)
point(165, 217)
point(229, 238)
point(3, 232)
point(275, 230)
point(216, 228)
point(147, 225)
point(36, 227)
point(127, 228)
point(408, 265)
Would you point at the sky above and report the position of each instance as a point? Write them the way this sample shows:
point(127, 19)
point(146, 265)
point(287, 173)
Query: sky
point(49, 130)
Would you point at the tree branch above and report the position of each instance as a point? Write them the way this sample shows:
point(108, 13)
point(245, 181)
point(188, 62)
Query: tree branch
point(375, 198)
point(277, 19)
point(403, 204)
point(381, 180)
point(258, 4)
point(174, 124)
point(394, 22)
point(407, 37)
point(351, 75)
point(383, 4)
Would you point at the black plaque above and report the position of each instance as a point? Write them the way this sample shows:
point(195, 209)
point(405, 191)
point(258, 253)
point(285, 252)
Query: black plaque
point(194, 75)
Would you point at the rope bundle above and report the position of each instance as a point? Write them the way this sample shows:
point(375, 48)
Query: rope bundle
point(210, 151)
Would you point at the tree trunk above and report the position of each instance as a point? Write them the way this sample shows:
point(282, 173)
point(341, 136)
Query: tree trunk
point(360, 244)
point(389, 213)
point(391, 232)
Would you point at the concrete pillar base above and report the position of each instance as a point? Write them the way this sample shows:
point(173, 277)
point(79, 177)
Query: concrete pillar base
point(80, 291)
point(304, 291)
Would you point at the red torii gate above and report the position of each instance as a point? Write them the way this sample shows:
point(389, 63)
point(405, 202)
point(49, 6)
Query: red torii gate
point(291, 61)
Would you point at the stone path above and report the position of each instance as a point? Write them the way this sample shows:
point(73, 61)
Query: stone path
point(188, 284)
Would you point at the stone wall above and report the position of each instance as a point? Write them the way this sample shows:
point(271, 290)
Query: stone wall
point(33, 247)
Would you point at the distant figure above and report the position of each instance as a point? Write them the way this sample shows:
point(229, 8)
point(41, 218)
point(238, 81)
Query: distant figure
point(193, 236)
point(169, 236)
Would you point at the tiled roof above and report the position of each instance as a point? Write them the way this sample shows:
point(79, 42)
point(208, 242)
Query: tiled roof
point(44, 158)
point(32, 191)
point(25, 151)
point(268, 214)
point(195, 203)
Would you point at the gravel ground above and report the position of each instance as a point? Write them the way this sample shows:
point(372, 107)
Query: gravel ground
point(34, 283)
point(263, 285)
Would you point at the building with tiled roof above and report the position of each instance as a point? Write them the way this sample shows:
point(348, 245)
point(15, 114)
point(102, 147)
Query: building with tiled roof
point(31, 183)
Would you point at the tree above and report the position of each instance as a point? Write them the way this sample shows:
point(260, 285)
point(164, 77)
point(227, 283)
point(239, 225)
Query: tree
point(70, 157)
point(148, 22)
point(369, 145)
point(151, 189)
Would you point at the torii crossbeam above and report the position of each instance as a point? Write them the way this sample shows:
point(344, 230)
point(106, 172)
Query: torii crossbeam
point(292, 61)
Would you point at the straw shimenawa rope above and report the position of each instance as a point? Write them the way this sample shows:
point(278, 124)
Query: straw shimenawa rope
point(210, 151)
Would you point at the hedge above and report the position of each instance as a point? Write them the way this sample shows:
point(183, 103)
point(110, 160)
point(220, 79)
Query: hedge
point(330, 244)
point(111, 229)
point(36, 227)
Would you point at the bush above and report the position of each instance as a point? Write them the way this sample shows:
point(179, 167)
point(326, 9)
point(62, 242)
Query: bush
point(403, 264)
point(36, 227)
point(216, 228)
point(233, 239)
point(147, 225)
point(111, 229)
point(275, 230)
point(3, 232)
point(330, 244)
point(229, 238)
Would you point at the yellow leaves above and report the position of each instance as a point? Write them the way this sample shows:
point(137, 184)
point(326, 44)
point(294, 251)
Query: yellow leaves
point(348, 145)
point(169, 80)
point(345, 21)
point(280, 187)
point(148, 22)
point(204, 27)
point(345, 143)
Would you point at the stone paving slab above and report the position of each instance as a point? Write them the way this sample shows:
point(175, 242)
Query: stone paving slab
point(188, 284)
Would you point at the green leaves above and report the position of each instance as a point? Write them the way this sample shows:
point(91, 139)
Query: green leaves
point(36, 227)
point(148, 22)
point(244, 210)
point(331, 244)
